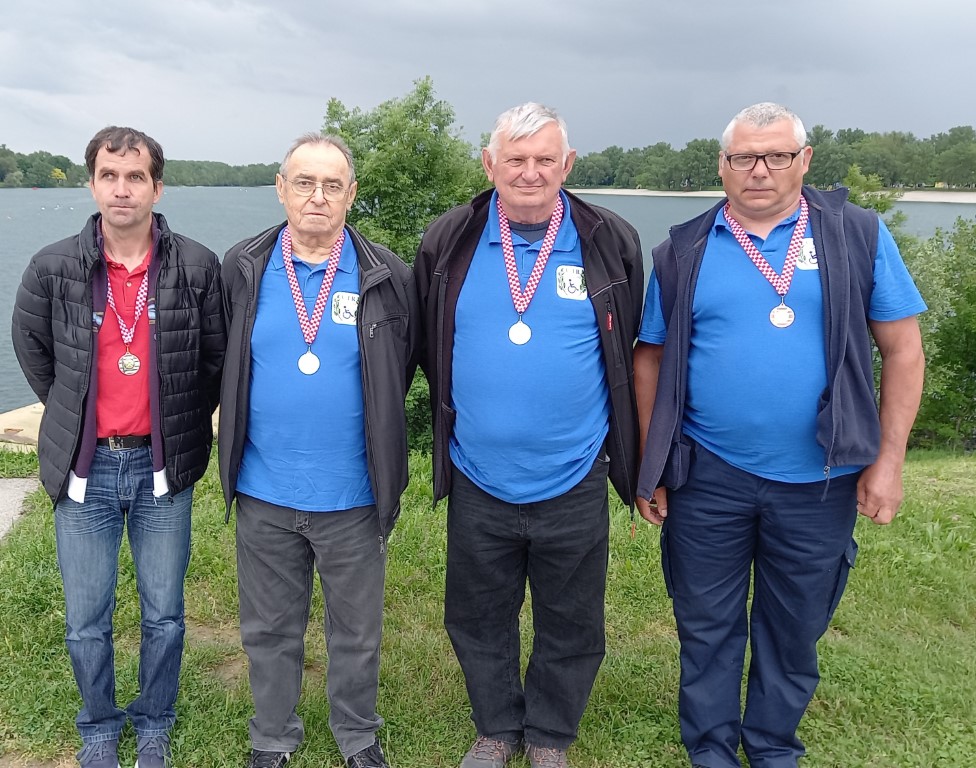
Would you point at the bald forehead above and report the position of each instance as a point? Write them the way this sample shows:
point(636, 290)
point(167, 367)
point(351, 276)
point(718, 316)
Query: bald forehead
point(313, 160)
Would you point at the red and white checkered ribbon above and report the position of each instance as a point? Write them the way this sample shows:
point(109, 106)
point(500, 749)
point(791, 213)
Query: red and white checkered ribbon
point(310, 325)
point(522, 298)
point(141, 298)
point(781, 283)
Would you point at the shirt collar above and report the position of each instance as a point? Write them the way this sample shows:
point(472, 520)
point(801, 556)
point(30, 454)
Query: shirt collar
point(723, 223)
point(566, 236)
point(347, 257)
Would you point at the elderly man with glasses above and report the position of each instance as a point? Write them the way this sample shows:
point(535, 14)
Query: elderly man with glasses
point(755, 388)
point(322, 330)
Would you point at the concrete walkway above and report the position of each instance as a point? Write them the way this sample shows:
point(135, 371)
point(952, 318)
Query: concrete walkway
point(18, 430)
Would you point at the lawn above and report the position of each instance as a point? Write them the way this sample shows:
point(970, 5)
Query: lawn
point(898, 676)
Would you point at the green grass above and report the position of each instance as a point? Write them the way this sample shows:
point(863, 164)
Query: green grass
point(897, 664)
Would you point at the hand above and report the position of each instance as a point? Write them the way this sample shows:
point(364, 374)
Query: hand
point(879, 491)
point(655, 509)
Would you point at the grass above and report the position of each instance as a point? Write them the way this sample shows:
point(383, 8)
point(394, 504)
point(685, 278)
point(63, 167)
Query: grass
point(897, 664)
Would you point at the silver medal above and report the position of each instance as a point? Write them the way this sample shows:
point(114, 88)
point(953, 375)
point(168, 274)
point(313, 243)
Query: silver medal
point(519, 333)
point(782, 316)
point(308, 363)
point(129, 364)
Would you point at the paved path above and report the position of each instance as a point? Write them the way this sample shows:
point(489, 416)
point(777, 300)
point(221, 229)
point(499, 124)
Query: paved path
point(18, 427)
point(12, 494)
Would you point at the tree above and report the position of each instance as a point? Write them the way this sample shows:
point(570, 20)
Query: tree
point(411, 165)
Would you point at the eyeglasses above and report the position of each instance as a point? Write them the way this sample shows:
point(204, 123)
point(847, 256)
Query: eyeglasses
point(331, 190)
point(775, 161)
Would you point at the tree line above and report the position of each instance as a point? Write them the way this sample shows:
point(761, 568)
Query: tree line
point(897, 159)
point(42, 169)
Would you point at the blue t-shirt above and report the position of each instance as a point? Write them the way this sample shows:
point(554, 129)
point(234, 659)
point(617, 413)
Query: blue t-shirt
point(531, 419)
point(753, 388)
point(306, 438)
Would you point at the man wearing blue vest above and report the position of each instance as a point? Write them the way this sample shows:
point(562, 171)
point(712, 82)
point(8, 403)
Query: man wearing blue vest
point(763, 440)
point(322, 329)
point(531, 299)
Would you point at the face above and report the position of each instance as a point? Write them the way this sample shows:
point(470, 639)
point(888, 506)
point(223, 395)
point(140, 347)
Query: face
point(314, 219)
point(123, 189)
point(762, 194)
point(528, 173)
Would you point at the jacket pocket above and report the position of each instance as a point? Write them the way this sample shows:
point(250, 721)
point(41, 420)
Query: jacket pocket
point(678, 464)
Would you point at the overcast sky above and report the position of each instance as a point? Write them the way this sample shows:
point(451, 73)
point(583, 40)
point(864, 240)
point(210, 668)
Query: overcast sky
point(238, 80)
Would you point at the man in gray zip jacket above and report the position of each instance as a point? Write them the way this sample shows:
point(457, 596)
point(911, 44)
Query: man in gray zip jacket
point(322, 332)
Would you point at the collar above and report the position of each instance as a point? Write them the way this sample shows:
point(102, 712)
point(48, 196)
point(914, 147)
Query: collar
point(566, 237)
point(347, 257)
point(721, 222)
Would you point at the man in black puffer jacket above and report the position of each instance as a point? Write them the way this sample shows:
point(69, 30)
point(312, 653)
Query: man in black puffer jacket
point(120, 333)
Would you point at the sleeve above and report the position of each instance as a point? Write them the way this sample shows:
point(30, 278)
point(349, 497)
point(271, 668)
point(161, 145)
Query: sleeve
point(653, 328)
point(31, 333)
point(894, 295)
point(213, 337)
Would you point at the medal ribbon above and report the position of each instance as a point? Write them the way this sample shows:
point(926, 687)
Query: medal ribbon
point(519, 298)
point(141, 297)
point(781, 283)
point(310, 325)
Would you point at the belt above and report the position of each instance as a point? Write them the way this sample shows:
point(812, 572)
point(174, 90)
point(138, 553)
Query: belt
point(124, 442)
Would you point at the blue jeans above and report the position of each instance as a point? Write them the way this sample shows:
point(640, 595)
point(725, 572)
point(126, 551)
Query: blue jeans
point(88, 539)
point(560, 546)
point(725, 528)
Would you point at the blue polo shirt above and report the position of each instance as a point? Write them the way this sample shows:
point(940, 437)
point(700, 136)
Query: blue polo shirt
point(306, 439)
point(753, 389)
point(531, 419)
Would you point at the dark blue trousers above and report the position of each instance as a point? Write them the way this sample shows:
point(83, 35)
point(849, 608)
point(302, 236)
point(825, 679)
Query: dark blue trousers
point(725, 528)
point(560, 546)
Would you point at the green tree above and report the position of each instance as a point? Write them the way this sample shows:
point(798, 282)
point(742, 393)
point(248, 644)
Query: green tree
point(411, 163)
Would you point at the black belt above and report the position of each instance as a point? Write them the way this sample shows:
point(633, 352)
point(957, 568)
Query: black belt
point(124, 442)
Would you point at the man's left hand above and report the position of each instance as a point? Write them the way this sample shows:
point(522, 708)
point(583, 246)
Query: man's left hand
point(879, 491)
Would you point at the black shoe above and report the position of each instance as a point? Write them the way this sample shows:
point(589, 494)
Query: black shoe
point(261, 759)
point(371, 757)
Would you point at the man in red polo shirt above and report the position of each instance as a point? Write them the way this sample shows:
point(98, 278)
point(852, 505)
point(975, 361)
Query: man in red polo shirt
point(120, 333)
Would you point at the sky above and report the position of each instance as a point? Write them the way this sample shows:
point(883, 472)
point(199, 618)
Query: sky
point(238, 80)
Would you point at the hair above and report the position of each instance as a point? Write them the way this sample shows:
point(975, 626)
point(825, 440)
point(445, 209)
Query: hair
point(526, 120)
point(322, 139)
point(763, 114)
point(123, 139)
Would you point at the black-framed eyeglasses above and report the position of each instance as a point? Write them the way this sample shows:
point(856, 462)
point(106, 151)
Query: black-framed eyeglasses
point(775, 161)
point(331, 190)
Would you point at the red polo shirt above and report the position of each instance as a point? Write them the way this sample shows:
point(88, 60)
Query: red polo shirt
point(122, 407)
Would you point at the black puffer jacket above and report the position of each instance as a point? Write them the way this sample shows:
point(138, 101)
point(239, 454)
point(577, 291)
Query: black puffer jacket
point(54, 342)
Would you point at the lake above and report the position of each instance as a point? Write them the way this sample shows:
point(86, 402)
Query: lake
point(221, 216)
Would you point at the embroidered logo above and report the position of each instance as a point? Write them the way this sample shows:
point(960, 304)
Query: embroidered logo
point(344, 307)
point(570, 282)
point(808, 255)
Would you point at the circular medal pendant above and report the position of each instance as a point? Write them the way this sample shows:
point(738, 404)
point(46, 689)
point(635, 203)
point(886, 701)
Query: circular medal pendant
point(519, 333)
point(308, 363)
point(129, 364)
point(782, 316)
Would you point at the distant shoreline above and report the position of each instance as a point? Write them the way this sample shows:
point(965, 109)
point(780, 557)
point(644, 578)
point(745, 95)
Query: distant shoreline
point(909, 196)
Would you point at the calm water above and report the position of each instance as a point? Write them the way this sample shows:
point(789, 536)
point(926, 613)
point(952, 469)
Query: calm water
point(220, 217)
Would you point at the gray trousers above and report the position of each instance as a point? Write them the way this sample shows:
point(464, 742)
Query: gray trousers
point(277, 549)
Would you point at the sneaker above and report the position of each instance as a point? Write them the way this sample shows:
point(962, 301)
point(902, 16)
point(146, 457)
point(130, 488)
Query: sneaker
point(487, 752)
point(153, 752)
point(261, 759)
point(99, 754)
point(371, 757)
point(546, 757)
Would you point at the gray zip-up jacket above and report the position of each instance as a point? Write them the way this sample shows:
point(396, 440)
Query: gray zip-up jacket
point(848, 426)
point(388, 340)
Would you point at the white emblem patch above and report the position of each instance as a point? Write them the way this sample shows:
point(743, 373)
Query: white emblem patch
point(808, 255)
point(570, 282)
point(344, 307)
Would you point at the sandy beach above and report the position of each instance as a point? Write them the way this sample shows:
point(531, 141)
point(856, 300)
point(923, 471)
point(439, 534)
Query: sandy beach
point(909, 196)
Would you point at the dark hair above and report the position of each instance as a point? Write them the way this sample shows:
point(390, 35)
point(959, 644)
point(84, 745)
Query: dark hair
point(120, 139)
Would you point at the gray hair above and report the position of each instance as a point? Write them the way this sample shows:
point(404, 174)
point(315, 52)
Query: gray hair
point(525, 120)
point(323, 139)
point(763, 114)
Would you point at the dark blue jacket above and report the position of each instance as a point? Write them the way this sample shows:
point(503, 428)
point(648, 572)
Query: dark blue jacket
point(848, 427)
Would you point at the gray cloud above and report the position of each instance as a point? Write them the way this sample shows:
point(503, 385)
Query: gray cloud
point(237, 80)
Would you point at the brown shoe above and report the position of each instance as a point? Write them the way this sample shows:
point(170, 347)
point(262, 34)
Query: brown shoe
point(546, 757)
point(487, 752)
